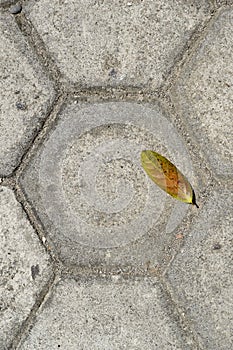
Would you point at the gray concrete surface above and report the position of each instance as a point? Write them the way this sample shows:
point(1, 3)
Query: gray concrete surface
point(201, 274)
point(94, 255)
point(7, 2)
point(26, 94)
point(204, 90)
point(121, 43)
point(112, 314)
point(91, 192)
point(25, 267)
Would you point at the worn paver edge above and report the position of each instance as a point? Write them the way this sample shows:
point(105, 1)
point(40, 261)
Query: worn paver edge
point(29, 321)
point(182, 312)
point(39, 48)
point(191, 48)
point(168, 96)
point(178, 314)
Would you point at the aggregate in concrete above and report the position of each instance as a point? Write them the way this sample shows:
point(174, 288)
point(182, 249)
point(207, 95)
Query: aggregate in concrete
point(119, 43)
point(7, 2)
point(223, 2)
point(201, 274)
point(26, 94)
point(91, 193)
point(111, 314)
point(203, 94)
point(24, 267)
point(15, 9)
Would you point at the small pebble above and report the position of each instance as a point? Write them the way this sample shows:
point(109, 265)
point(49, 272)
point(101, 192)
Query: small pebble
point(35, 271)
point(15, 9)
point(112, 73)
point(217, 246)
point(21, 106)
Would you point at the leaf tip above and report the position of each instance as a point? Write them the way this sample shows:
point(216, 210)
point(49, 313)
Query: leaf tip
point(194, 200)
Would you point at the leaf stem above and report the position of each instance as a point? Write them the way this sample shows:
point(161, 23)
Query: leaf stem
point(194, 200)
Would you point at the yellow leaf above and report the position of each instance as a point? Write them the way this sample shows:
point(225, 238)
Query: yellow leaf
point(167, 176)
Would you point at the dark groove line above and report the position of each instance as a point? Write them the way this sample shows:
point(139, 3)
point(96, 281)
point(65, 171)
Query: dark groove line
point(189, 50)
point(40, 135)
point(29, 321)
point(185, 323)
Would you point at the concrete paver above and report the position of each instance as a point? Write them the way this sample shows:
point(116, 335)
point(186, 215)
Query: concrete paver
point(91, 192)
point(123, 43)
point(203, 94)
point(112, 314)
point(24, 267)
point(26, 94)
point(201, 274)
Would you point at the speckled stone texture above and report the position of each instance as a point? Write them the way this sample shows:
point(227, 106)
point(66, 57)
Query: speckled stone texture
point(201, 274)
point(203, 94)
point(119, 43)
point(26, 94)
point(112, 314)
point(24, 267)
point(91, 193)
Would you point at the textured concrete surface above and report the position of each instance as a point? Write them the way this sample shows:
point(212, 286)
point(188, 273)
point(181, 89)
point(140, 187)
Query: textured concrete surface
point(7, 2)
point(25, 95)
point(94, 255)
point(91, 193)
point(111, 314)
point(201, 274)
point(24, 267)
point(223, 2)
point(203, 93)
point(116, 43)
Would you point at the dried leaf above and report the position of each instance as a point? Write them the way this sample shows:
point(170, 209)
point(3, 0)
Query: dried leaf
point(167, 176)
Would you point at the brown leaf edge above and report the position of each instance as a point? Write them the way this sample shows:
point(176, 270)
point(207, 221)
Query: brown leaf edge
point(193, 193)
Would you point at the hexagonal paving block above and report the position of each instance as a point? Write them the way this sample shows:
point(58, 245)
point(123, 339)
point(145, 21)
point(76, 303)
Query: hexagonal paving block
point(99, 43)
point(201, 274)
point(112, 314)
point(203, 94)
point(89, 189)
point(26, 94)
point(24, 267)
